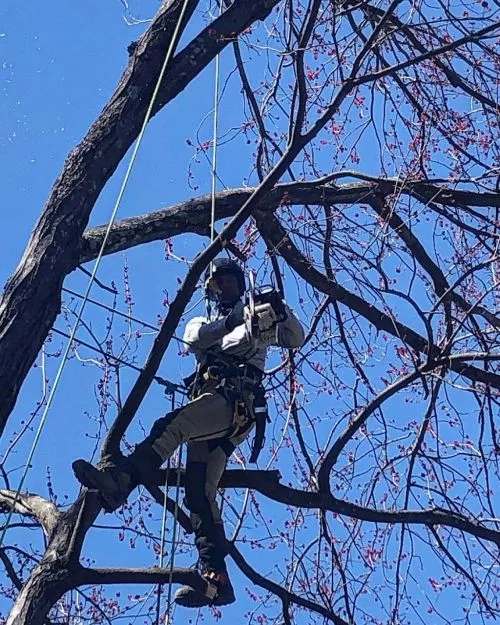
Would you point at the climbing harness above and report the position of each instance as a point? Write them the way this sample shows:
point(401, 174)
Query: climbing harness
point(241, 386)
point(168, 55)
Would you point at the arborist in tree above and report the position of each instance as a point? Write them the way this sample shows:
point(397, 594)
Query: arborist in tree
point(227, 401)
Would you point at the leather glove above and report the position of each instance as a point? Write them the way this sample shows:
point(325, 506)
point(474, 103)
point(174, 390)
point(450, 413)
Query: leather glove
point(234, 319)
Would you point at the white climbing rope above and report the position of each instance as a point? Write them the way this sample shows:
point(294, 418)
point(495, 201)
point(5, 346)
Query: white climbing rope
point(212, 236)
point(214, 140)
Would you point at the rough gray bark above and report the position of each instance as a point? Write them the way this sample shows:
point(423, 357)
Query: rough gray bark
point(31, 299)
point(27, 504)
point(193, 215)
point(51, 578)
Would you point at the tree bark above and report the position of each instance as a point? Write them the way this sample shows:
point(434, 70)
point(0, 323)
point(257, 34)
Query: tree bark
point(56, 572)
point(46, 585)
point(193, 215)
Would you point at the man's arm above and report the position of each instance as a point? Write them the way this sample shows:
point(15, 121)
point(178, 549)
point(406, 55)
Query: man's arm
point(200, 334)
point(290, 333)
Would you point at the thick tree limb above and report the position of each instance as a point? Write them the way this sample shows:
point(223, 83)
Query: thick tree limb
point(34, 506)
point(153, 575)
point(31, 299)
point(13, 576)
point(268, 484)
point(194, 215)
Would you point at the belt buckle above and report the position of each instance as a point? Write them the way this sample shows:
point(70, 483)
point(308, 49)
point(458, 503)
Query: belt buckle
point(211, 373)
point(240, 418)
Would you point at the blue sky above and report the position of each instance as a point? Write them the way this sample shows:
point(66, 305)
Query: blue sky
point(59, 64)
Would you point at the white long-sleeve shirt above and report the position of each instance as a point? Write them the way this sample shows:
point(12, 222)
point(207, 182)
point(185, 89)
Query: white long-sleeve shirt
point(201, 334)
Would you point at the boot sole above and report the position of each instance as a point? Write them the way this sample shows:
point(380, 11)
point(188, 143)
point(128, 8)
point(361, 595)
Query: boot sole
point(91, 478)
point(192, 603)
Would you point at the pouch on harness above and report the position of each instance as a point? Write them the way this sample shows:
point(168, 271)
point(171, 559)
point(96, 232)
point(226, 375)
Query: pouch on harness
point(249, 378)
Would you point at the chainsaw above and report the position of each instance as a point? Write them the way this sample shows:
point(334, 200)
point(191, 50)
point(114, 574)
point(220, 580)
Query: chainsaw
point(263, 310)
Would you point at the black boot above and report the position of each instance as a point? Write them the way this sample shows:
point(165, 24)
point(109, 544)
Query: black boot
point(116, 477)
point(218, 591)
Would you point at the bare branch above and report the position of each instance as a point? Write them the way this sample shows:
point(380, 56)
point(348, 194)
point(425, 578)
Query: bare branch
point(282, 593)
point(194, 215)
point(430, 54)
point(171, 506)
point(13, 576)
point(268, 484)
point(27, 504)
point(289, 251)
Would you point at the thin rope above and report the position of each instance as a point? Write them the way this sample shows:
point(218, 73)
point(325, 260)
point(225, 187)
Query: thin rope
point(174, 532)
point(214, 142)
point(174, 536)
point(96, 265)
point(162, 540)
point(212, 236)
point(214, 165)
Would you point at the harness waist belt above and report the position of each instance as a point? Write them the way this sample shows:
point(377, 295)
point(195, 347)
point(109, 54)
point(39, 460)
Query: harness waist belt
point(219, 369)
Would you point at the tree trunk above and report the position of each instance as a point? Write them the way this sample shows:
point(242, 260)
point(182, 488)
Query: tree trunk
point(58, 570)
point(46, 585)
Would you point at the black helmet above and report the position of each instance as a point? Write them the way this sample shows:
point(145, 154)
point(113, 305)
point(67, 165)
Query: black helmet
point(221, 266)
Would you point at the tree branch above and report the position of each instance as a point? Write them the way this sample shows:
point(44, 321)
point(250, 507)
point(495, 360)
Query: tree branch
point(429, 54)
point(194, 215)
point(268, 484)
point(285, 595)
point(305, 269)
point(441, 286)
point(455, 79)
point(171, 506)
point(153, 575)
point(34, 506)
point(9, 568)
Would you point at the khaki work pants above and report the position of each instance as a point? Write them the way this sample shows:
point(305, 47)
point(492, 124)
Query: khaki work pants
point(206, 425)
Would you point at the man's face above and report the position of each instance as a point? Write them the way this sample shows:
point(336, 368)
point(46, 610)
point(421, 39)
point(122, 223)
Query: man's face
point(229, 290)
